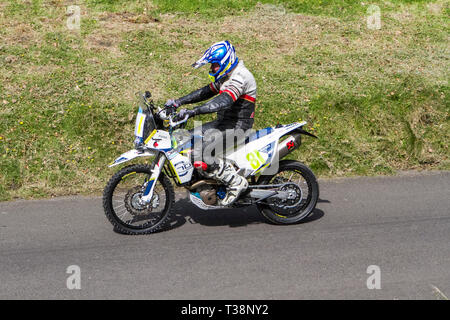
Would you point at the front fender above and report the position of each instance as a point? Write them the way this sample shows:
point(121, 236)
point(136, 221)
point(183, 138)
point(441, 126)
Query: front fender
point(129, 155)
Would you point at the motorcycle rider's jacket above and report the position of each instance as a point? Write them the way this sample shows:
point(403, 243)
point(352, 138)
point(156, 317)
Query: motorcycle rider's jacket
point(235, 100)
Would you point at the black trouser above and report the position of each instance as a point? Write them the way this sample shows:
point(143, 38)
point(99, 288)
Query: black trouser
point(217, 138)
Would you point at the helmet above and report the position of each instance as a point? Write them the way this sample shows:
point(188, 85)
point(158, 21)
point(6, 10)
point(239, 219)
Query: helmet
point(222, 53)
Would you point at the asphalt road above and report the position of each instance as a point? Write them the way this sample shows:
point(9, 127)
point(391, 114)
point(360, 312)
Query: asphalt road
point(399, 224)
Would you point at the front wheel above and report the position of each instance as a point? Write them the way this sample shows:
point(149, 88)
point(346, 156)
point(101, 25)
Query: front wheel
point(300, 181)
point(125, 209)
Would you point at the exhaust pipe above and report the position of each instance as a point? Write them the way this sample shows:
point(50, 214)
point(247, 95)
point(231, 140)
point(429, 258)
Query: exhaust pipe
point(288, 145)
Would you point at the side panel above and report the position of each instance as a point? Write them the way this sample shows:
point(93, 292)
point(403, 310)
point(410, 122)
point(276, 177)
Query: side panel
point(160, 140)
point(256, 155)
point(181, 166)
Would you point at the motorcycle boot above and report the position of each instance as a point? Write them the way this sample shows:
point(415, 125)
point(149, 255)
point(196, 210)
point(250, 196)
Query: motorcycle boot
point(224, 172)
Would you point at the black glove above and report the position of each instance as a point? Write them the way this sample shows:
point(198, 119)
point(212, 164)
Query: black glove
point(183, 113)
point(172, 103)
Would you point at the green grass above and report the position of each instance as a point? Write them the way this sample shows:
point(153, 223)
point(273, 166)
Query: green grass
point(377, 99)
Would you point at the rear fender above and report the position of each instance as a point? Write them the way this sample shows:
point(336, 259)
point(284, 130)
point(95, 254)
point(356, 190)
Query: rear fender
point(292, 142)
point(301, 131)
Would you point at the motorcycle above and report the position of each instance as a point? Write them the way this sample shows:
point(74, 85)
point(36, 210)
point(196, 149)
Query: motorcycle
point(139, 198)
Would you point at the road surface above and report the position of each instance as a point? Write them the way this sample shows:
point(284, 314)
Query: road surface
point(391, 233)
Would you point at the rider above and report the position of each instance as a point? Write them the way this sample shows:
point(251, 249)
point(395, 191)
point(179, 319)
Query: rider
point(235, 89)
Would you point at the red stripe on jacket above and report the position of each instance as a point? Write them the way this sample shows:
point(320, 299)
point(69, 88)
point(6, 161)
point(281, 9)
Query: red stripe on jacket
point(233, 96)
point(247, 97)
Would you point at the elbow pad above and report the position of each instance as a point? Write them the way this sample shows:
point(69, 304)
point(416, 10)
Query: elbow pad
point(221, 102)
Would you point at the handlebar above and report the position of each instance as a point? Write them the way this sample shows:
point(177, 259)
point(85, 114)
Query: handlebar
point(174, 124)
point(169, 114)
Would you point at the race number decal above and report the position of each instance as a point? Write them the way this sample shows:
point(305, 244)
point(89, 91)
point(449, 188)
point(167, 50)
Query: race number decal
point(255, 159)
point(139, 128)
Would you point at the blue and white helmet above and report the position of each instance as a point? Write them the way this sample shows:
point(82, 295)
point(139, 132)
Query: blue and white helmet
point(222, 53)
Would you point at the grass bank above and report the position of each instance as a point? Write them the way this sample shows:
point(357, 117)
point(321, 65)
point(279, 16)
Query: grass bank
point(377, 98)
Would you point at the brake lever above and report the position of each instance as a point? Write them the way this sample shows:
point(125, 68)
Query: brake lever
point(166, 112)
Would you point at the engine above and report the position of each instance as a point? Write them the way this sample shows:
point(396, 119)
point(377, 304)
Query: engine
point(208, 191)
point(208, 194)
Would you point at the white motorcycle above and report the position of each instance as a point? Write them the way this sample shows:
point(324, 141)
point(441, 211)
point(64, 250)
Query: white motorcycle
point(139, 198)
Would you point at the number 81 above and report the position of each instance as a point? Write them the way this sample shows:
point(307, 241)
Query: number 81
point(255, 159)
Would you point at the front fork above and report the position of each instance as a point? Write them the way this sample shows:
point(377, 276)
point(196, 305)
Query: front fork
point(157, 168)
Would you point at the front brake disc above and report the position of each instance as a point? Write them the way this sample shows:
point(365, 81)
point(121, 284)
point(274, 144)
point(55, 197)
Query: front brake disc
point(134, 204)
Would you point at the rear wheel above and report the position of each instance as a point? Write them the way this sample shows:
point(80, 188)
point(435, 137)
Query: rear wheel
point(125, 209)
point(301, 184)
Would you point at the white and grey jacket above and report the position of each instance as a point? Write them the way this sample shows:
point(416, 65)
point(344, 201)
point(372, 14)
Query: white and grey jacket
point(235, 100)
